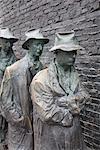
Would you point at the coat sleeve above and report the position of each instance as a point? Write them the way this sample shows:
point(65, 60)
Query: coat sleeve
point(46, 107)
point(82, 96)
point(8, 108)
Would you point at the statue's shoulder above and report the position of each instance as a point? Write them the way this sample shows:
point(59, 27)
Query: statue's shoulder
point(41, 76)
point(18, 66)
point(40, 80)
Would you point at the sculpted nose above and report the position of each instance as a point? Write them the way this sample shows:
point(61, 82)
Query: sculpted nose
point(40, 48)
point(74, 55)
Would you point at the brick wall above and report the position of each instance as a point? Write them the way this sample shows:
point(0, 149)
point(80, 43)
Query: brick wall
point(60, 15)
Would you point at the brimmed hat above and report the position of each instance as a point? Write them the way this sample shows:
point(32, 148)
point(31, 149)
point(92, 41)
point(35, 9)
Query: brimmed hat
point(66, 42)
point(7, 34)
point(34, 34)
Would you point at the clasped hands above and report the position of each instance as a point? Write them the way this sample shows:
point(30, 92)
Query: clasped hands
point(23, 121)
point(70, 104)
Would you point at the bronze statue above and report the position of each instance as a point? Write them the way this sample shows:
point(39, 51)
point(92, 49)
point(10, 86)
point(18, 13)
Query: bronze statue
point(7, 58)
point(15, 97)
point(58, 97)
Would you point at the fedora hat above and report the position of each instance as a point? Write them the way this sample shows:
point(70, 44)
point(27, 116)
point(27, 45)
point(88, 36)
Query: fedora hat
point(7, 34)
point(66, 42)
point(34, 34)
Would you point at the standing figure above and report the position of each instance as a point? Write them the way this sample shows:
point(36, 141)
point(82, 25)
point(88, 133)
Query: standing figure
point(7, 58)
point(58, 98)
point(15, 97)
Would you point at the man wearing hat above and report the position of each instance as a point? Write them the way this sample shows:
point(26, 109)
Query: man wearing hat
point(58, 98)
point(15, 97)
point(7, 58)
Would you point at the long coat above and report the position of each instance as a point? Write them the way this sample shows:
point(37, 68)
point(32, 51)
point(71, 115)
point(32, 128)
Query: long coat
point(51, 130)
point(4, 62)
point(16, 103)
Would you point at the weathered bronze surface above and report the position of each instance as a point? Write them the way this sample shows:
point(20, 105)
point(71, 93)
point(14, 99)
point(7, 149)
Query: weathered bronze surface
point(7, 58)
point(15, 97)
point(58, 98)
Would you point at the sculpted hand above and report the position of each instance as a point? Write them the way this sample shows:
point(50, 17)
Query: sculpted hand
point(23, 121)
point(19, 121)
point(74, 105)
point(75, 110)
point(77, 98)
point(62, 101)
point(68, 120)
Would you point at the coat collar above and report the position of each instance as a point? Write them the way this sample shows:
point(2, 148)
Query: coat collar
point(31, 63)
point(33, 66)
point(56, 85)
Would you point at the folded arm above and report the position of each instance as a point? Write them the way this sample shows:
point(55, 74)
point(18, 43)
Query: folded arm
point(46, 107)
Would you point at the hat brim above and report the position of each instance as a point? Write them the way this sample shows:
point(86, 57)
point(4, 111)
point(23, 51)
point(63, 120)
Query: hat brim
point(11, 39)
point(66, 48)
point(25, 46)
point(14, 40)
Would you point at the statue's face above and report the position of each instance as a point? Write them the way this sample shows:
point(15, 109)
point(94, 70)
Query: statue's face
point(65, 58)
point(36, 47)
point(5, 44)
